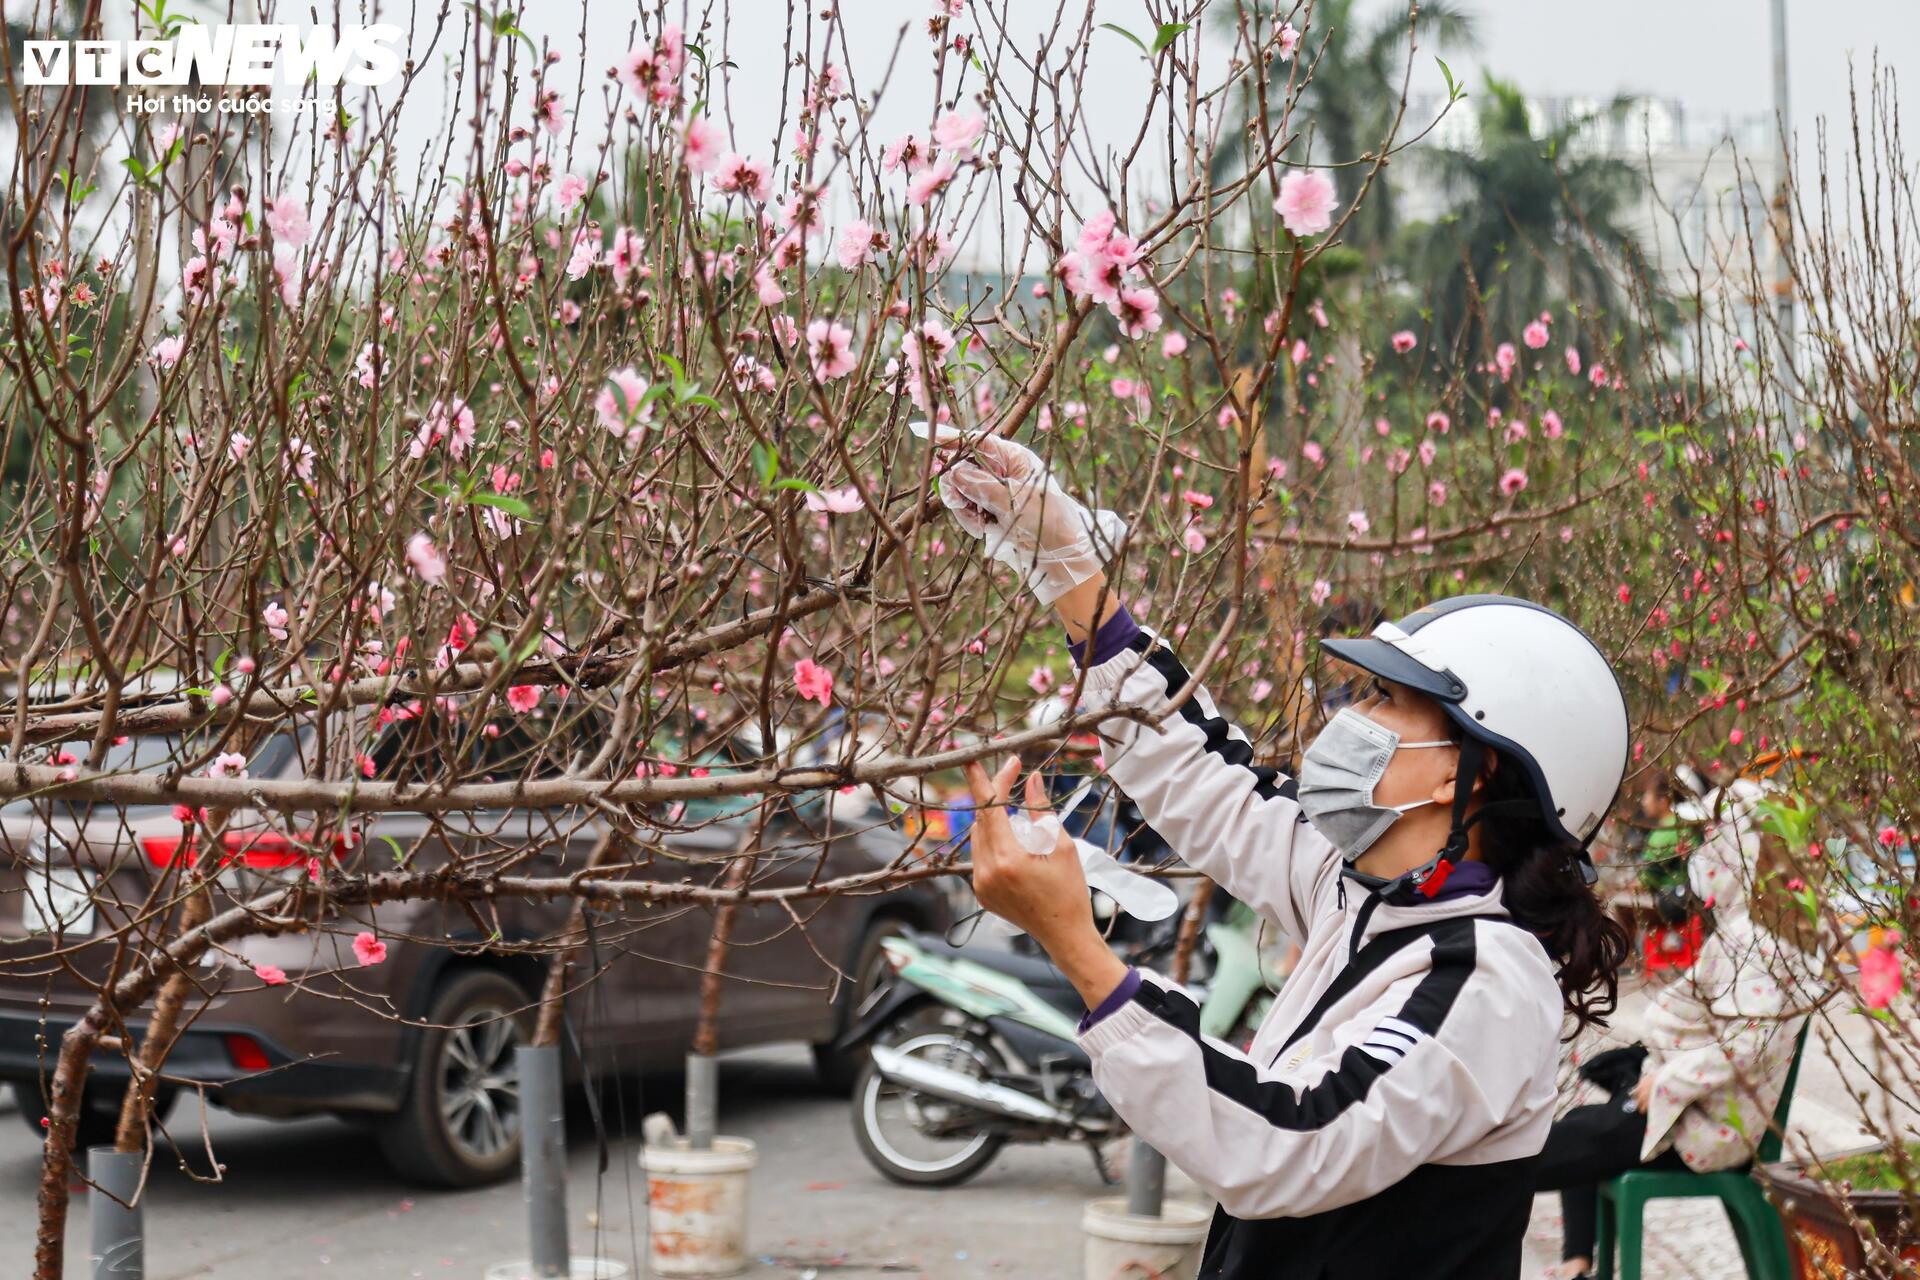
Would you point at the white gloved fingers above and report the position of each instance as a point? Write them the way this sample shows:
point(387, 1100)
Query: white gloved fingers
point(980, 501)
point(1008, 458)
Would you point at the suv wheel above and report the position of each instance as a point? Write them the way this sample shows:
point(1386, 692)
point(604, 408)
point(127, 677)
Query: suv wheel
point(460, 1123)
point(839, 1069)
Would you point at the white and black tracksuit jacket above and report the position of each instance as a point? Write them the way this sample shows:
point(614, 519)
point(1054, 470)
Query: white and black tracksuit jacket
point(1382, 1120)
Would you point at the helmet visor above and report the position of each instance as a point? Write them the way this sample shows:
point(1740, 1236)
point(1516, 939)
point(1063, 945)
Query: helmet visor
point(1391, 663)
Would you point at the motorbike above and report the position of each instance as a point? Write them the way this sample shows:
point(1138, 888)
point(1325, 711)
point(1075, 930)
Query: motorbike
point(969, 1049)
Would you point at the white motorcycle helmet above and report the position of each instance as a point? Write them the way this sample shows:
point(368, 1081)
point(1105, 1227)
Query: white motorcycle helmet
point(1519, 678)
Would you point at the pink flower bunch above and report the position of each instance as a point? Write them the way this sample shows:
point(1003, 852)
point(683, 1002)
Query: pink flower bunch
point(1102, 266)
point(925, 350)
point(860, 242)
point(1504, 359)
point(452, 424)
point(652, 72)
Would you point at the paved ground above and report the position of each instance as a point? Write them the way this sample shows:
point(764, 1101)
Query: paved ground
point(312, 1199)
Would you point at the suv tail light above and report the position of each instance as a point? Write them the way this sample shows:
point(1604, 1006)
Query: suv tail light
point(264, 850)
point(246, 1052)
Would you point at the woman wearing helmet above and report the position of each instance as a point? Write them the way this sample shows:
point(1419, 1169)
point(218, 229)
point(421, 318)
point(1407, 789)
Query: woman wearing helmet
point(1430, 859)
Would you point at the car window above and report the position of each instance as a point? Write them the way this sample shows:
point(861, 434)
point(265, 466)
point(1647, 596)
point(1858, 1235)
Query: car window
point(508, 748)
point(152, 752)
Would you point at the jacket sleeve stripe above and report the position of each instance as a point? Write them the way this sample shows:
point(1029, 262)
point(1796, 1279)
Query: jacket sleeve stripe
point(1198, 711)
point(1318, 1106)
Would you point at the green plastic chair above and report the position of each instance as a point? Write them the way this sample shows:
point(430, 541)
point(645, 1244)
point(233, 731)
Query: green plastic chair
point(1756, 1225)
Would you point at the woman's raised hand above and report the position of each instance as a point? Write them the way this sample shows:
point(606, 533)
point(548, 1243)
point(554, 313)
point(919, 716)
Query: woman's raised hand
point(1002, 493)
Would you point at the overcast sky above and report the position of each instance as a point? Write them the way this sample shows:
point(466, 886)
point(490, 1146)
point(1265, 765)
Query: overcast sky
point(1712, 56)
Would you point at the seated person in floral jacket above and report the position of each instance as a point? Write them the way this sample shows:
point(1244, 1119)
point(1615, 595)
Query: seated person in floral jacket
point(1717, 1042)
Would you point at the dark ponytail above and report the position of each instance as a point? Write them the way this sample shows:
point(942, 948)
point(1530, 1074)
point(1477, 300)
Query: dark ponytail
point(1546, 893)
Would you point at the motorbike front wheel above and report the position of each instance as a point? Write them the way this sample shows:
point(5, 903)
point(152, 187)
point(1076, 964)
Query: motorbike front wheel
point(920, 1140)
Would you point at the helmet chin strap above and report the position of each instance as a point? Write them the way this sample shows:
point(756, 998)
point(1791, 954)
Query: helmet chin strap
point(1426, 880)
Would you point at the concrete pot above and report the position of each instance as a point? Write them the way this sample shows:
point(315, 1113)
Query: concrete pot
point(1124, 1246)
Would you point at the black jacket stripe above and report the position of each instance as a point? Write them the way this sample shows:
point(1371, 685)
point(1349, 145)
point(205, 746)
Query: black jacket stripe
point(1269, 783)
point(1286, 1106)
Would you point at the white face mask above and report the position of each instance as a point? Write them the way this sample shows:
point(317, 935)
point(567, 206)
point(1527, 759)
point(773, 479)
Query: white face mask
point(1338, 775)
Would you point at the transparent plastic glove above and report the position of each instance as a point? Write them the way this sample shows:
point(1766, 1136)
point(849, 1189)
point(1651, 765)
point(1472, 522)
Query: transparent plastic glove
point(1137, 895)
point(1039, 836)
point(1003, 495)
point(1133, 893)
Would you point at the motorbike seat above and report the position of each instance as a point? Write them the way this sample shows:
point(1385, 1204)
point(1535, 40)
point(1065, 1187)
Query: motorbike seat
point(1037, 972)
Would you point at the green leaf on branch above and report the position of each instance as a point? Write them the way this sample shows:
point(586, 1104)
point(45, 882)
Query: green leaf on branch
point(1454, 91)
point(766, 464)
point(795, 482)
point(1117, 28)
point(1169, 32)
point(515, 507)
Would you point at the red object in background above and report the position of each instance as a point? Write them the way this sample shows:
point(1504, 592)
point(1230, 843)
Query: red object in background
point(1670, 948)
point(254, 849)
point(246, 1052)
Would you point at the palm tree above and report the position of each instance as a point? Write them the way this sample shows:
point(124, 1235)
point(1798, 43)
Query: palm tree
point(1349, 104)
point(1533, 222)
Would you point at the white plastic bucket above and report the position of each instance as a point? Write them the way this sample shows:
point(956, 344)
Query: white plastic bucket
point(1121, 1246)
point(578, 1268)
point(697, 1207)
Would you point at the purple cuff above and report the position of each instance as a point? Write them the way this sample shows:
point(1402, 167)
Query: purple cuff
point(1119, 996)
point(1109, 641)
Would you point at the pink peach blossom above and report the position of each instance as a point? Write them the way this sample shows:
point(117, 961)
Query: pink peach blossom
point(929, 181)
point(814, 682)
point(425, 559)
point(288, 221)
point(743, 174)
point(837, 502)
point(367, 949)
point(704, 144)
point(622, 402)
point(1305, 203)
point(830, 350)
point(1881, 977)
point(958, 131)
point(858, 243)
